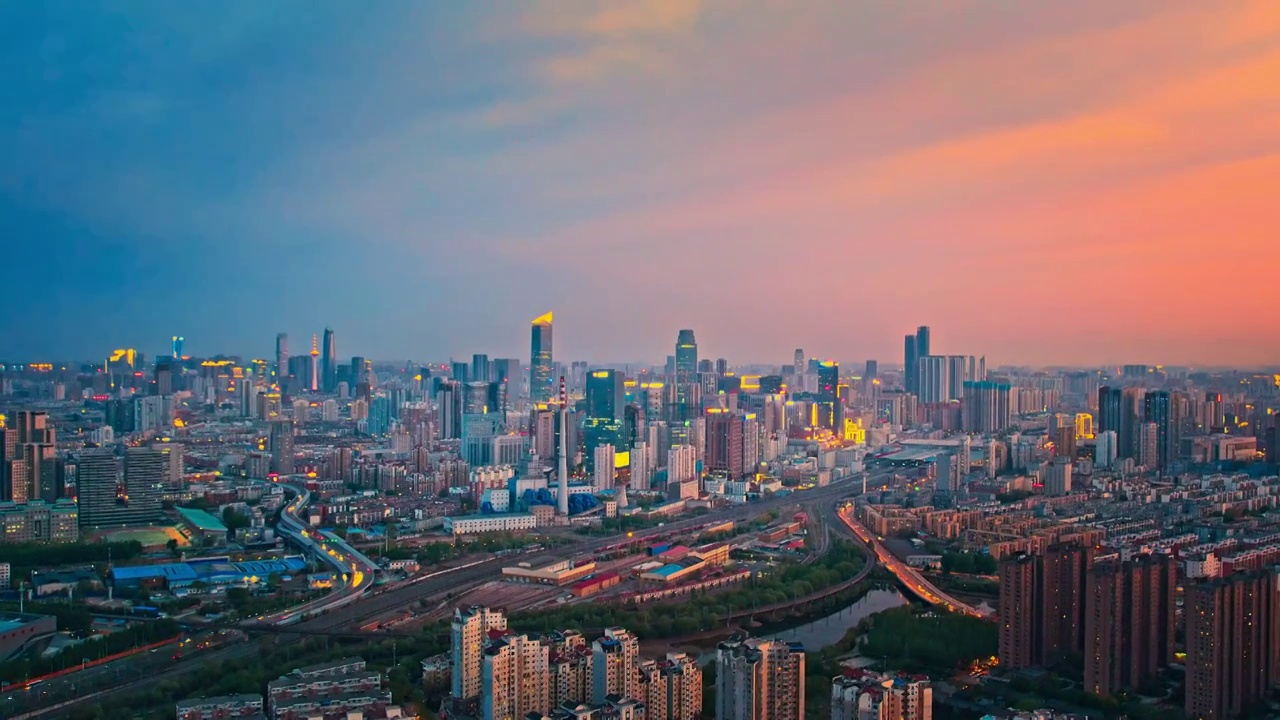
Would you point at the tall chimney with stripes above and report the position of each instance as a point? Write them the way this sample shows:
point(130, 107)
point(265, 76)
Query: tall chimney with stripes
point(562, 492)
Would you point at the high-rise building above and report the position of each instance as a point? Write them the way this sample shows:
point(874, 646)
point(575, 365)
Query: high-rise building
point(1041, 610)
point(470, 629)
point(479, 368)
point(1129, 622)
point(1057, 476)
point(615, 661)
point(799, 366)
point(671, 689)
point(450, 404)
point(922, 341)
point(1164, 409)
point(280, 438)
point(282, 356)
point(360, 372)
point(759, 680)
point(909, 364)
point(1233, 644)
point(933, 378)
point(724, 443)
point(1132, 410)
point(507, 372)
point(604, 468)
point(541, 371)
point(1105, 450)
point(686, 366)
point(827, 410)
point(515, 672)
point(605, 394)
point(985, 407)
point(116, 493)
point(1110, 404)
point(329, 363)
point(174, 462)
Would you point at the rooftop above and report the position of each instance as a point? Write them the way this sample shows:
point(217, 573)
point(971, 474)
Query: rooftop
point(201, 520)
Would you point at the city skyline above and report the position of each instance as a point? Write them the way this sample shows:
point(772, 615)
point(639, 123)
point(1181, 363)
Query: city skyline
point(1040, 187)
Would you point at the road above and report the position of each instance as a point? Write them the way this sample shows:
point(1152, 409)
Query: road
point(906, 574)
point(360, 607)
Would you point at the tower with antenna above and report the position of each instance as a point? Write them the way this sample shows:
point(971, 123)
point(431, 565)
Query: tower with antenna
point(562, 491)
point(314, 383)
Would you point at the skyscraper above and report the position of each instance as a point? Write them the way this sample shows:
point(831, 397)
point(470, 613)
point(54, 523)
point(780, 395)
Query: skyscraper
point(686, 366)
point(178, 341)
point(827, 410)
point(1164, 409)
point(282, 356)
point(922, 341)
point(1132, 411)
point(910, 357)
point(479, 367)
point(605, 394)
point(541, 373)
point(1110, 404)
point(329, 363)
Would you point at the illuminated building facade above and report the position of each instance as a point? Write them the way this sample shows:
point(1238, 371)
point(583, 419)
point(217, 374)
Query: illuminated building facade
point(541, 365)
point(827, 411)
point(686, 367)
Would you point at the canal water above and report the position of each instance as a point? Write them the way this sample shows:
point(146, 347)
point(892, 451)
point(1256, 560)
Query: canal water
point(828, 630)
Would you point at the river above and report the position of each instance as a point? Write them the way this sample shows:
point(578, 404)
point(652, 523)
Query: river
point(825, 631)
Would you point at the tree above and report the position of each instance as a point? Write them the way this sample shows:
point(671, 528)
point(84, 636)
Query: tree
point(238, 596)
point(172, 544)
point(234, 520)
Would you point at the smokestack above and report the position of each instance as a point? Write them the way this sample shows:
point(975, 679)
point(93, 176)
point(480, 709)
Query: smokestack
point(562, 494)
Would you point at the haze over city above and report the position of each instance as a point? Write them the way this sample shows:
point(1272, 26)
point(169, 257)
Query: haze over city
point(1080, 183)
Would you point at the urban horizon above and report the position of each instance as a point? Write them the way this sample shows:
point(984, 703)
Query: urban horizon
point(889, 358)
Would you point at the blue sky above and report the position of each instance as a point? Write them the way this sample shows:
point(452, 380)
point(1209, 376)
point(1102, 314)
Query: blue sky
point(425, 177)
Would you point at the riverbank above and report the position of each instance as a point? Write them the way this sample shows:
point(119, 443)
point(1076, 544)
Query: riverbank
point(815, 630)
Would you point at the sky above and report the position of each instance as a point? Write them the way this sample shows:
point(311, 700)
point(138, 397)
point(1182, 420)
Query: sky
point(1090, 182)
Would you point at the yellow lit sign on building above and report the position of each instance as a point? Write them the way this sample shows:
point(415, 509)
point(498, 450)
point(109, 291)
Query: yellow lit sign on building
point(854, 432)
point(127, 355)
point(622, 459)
point(600, 374)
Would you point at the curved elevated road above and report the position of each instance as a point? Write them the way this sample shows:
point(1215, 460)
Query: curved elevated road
point(907, 575)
